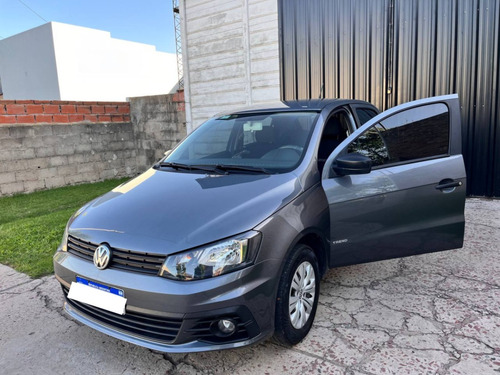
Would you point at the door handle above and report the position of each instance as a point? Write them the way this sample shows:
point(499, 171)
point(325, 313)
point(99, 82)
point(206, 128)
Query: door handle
point(448, 184)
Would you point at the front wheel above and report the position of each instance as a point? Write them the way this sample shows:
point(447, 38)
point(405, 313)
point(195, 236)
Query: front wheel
point(297, 298)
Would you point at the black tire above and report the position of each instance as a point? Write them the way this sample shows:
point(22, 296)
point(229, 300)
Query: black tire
point(285, 332)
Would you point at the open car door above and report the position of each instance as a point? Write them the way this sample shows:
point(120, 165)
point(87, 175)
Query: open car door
point(396, 186)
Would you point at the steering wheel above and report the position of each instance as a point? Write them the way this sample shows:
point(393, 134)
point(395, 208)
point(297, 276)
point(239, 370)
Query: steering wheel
point(241, 154)
point(284, 153)
point(295, 148)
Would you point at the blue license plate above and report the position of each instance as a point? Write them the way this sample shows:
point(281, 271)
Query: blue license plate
point(103, 287)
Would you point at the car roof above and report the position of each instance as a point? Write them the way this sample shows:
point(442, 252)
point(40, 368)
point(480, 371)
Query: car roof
point(316, 105)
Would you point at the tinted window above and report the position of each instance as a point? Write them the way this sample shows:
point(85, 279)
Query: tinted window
point(370, 144)
point(416, 133)
point(365, 114)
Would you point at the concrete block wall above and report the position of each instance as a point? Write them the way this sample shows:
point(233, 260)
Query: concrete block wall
point(159, 124)
point(230, 55)
point(38, 155)
point(35, 157)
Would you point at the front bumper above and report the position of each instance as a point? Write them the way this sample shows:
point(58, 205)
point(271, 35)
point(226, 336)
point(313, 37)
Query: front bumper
point(178, 316)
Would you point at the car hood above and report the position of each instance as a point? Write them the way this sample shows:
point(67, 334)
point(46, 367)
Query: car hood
point(164, 212)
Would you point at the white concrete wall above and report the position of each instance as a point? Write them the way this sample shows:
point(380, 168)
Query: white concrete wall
point(230, 55)
point(28, 66)
point(93, 66)
point(58, 61)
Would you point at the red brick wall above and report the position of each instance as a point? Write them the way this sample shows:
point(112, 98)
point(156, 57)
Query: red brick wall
point(62, 112)
point(178, 98)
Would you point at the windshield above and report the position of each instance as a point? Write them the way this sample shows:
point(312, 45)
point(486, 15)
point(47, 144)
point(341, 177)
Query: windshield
point(273, 142)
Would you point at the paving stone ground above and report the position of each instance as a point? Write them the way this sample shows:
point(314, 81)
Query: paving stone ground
point(429, 314)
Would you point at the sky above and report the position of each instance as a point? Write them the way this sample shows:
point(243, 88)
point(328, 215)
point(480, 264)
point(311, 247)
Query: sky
point(146, 21)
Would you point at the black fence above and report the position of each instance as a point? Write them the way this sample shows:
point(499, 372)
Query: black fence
point(388, 52)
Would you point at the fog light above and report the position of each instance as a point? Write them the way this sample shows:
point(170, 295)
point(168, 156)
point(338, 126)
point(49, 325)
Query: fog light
point(226, 326)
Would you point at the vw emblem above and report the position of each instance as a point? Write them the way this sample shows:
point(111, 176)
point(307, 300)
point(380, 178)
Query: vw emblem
point(102, 256)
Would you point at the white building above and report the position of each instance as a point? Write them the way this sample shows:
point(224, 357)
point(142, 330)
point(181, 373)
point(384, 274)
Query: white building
point(58, 61)
point(231, 55)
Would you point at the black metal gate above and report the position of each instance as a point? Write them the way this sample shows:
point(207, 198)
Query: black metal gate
point(389, 52)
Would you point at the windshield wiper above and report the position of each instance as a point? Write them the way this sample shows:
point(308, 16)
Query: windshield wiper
point(176, 166)
point(219, 168)
point(188, 167)
point(243, 168)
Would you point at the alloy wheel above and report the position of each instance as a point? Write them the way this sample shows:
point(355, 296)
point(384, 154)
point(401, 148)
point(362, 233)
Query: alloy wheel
point(302, 293)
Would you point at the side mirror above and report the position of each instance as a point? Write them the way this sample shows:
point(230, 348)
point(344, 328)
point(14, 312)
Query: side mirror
point(352, 164)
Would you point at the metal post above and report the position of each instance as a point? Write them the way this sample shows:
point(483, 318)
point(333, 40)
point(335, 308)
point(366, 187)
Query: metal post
point(178, 43)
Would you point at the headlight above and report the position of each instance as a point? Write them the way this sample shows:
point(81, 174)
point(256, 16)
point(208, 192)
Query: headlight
point(64, 242)
point(214, 259)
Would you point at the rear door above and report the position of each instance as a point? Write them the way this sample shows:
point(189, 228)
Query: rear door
point(413, 199)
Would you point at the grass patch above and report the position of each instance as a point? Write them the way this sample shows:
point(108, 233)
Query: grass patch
point(32, 225)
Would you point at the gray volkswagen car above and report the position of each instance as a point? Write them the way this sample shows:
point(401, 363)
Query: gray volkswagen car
point(224, 241)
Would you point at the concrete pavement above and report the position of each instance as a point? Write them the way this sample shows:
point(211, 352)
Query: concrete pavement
point(429, 314)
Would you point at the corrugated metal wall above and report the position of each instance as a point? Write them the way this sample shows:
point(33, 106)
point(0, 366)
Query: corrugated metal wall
point(389, 52)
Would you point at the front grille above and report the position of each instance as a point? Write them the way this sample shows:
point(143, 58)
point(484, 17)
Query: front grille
point(123, 259)
point(155, 328)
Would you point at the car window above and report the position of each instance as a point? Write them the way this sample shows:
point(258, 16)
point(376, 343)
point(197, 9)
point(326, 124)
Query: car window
point(214, 141)
point(417, 133)
point(371, 144)
point(365, 114)
point(274, 141)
